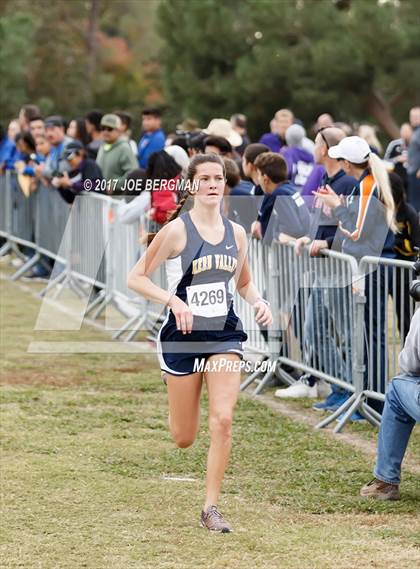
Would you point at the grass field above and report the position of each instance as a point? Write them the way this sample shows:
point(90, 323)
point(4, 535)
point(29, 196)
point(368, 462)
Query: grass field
point(87, 463)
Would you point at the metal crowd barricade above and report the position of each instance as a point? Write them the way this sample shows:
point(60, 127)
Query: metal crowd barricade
point(330, 314)
point(122, 251)
point(389, 309)
point(16, 216)
point(317, 309)
point(258, 258)
point(149, 315)
point(50, 214)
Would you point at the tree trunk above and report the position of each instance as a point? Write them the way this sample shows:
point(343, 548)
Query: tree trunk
point(381, 111)
point(92, 44)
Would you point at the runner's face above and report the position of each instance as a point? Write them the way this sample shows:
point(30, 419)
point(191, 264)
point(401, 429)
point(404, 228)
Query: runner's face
point(211, 182)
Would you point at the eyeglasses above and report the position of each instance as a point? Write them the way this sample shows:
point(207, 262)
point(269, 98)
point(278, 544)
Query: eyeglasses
point(320, 132)
point(107, 128)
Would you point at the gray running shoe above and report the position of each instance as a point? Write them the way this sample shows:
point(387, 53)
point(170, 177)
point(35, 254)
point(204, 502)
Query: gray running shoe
point(213, 520)
point(380, 490)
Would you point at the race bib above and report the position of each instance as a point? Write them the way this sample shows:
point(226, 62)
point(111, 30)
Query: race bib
point(207, 300)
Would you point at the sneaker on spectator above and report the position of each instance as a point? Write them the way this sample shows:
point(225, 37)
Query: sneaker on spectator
point(332, 402)
point(17, 262)
point(298, 390)
point(213, 520)
point(380, 490)
point(38, 273)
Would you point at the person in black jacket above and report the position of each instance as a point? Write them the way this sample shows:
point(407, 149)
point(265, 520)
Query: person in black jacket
point(407, 239)
point(84, 173)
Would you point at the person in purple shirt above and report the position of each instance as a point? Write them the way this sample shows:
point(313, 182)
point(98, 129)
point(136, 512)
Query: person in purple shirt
point(280, 123)
point(313, 181)
point(299, 161)
point(153, 138)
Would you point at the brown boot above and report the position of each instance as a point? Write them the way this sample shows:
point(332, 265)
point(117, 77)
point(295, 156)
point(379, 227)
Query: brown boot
point(380, 490)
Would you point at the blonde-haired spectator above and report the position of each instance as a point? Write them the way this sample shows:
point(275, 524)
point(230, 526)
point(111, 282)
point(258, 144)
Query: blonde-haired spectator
point(368, 132)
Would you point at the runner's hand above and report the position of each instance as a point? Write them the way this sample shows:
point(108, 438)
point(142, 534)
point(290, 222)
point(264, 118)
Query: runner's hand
point(263, 314)
point(182, 313)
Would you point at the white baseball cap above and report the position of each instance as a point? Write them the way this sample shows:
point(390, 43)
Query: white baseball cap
point(223, 128)
point(352, 148)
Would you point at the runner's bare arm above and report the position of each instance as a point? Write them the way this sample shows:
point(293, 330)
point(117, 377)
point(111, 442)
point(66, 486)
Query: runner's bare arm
point(167, 243)
point(244, 284)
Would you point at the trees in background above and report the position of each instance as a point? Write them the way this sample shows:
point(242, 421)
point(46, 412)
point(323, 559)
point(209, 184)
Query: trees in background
point(358, 59)
point(68, 56)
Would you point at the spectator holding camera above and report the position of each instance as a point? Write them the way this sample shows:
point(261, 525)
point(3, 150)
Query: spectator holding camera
point(80, 169)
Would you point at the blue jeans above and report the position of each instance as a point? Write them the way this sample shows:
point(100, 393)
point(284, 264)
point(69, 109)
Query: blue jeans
point(400, 414)
point(327, 332)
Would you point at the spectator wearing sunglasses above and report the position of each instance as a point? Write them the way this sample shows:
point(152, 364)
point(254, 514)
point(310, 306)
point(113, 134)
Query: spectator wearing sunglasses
point(80, 169)
point(115, 157)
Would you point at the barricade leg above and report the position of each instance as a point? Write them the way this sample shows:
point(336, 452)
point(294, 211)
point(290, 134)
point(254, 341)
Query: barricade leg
point(349, 412)
point(252, 377)
point(52, 283)
point(263, 382)
point(125, 327)
point(25, 267)
point(371, 415)
point(339, 411)
point(142, 323)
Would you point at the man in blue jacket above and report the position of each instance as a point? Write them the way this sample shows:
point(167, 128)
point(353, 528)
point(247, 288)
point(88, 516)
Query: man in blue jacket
point(283, 211)
point(153, 138)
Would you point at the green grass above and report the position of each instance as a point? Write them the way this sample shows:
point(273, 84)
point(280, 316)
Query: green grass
point(86, 449)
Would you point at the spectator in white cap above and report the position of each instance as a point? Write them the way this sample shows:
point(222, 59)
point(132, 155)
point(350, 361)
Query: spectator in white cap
point(366, 220)
point(299, 161)
point(223, 128)
point(179, 155)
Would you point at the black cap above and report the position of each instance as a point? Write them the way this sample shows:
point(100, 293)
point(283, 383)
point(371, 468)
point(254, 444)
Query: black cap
point(71, 148)
point(54, 120)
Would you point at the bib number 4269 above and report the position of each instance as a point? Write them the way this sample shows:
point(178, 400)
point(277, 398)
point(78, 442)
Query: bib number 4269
point(208, 300)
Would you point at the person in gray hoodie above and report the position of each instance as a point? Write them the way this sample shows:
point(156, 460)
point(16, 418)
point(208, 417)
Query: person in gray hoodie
point(401, 413)
point(115, 157)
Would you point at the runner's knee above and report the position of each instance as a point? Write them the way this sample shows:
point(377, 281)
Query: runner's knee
point(220, 425)
point(183, 439)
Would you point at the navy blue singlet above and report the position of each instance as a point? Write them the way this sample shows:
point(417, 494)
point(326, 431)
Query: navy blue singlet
point(201, 275)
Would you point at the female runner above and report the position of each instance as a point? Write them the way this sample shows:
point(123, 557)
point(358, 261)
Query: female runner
point(203, 251)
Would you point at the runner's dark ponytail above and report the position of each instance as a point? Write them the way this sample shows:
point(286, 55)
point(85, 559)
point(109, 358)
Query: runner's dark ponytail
point(191, 172)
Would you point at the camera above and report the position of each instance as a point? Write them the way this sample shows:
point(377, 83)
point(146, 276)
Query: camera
point(415, 285)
